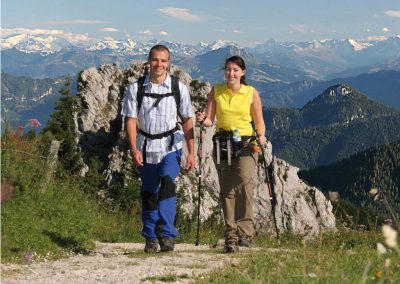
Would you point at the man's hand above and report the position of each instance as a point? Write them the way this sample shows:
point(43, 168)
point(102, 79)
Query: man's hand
point(137, 158)
point(200, 116)
point(190, 162)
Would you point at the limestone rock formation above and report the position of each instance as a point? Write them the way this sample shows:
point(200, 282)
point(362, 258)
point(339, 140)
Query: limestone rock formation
point(300, 208)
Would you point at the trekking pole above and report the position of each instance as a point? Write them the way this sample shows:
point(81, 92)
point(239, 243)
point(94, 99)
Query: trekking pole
point(199, 155)
point(271, 190)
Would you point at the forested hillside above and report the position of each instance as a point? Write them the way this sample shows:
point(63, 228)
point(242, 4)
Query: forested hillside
point(338, 123)
point(354, 177)
point(23, 98)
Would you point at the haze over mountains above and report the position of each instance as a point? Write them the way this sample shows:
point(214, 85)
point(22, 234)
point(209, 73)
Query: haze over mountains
point(49, 56)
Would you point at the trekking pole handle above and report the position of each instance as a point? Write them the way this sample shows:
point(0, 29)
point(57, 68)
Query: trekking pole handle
point(201, 110)
point(265, 166)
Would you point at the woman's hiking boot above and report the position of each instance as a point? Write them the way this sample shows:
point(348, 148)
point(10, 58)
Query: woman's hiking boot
point(231, 248)
point(151, 246)
point(244, 241)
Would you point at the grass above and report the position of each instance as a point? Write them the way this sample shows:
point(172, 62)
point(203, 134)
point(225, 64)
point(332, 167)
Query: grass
point(167, 278)
point(343, 257)
point(48, 220)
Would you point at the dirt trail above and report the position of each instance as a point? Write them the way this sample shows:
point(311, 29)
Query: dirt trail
point(124, 263)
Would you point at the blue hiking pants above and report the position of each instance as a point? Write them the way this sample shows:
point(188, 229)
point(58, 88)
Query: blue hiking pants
point(158, 192)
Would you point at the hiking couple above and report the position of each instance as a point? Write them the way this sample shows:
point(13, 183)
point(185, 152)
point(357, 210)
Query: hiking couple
point(151, 107)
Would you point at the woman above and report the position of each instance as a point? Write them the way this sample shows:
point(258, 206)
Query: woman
point(236, 105)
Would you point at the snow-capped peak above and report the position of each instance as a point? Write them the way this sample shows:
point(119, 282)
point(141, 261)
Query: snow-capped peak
point(12, 40)
point(34, 43)
point(220, 43)
point(357, 45)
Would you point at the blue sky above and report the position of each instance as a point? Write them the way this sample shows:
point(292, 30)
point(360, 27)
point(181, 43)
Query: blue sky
point(245, 22)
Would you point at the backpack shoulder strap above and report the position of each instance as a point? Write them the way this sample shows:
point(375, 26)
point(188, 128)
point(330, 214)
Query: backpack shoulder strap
point(177, 94)
point(140, 92)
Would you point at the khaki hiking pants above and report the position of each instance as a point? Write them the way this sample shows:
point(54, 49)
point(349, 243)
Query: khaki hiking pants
point(236, 194)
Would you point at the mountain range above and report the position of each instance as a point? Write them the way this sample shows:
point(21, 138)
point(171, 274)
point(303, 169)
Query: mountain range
point(382, 86)
point(336, 124)
point(23, 98)
point(49, 56)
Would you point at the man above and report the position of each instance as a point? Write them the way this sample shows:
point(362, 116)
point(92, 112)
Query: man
point(151, 108)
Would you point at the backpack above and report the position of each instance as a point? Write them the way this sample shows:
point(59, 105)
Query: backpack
point(175, 92)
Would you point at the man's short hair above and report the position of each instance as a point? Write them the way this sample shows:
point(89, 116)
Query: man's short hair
point(158, 47)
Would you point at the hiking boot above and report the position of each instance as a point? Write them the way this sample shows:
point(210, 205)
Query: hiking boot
point(244, 241)
point(151, 246)
point(167, 244)
point(231, 249)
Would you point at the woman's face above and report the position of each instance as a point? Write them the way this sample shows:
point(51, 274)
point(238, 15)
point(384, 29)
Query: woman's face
point(233, 73)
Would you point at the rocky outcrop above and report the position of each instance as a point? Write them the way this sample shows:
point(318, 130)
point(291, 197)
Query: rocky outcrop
point(300, 208)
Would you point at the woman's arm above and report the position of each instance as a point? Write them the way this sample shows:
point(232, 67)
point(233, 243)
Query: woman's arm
point(207, 118)
point(257, 115)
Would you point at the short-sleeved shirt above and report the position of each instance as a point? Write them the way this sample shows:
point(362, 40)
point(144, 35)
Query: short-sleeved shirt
point(234, 111)
point(155, 120)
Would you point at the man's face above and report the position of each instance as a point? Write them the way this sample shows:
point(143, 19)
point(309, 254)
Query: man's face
point(159, 62)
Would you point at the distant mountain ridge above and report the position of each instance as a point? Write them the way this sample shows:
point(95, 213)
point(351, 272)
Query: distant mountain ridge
point(326, 57)
point(23, 98)
point(316, 59)
point(382, 86)
point(336, 124)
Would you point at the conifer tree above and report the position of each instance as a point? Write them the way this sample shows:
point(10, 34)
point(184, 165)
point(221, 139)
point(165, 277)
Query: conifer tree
point(61, 127)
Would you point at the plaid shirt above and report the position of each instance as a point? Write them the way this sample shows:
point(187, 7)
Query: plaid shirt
point(158, 119)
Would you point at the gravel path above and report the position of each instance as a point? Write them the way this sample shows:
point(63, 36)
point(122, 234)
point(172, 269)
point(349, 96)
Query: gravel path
point(124, 263)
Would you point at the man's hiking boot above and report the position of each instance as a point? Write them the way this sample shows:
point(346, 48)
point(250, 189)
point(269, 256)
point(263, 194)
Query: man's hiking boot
point(151, 246)
point(231, 249)
point(166, 244)
point(244, 241)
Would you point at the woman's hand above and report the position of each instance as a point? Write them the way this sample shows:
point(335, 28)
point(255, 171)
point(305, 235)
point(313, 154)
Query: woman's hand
point(262, 140)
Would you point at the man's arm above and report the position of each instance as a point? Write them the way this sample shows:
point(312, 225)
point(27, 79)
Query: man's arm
point(187, 126)
point(131, 133)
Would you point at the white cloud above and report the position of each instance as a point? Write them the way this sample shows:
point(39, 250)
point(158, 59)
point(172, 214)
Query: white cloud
point(368, 30)
point(180, 14)
point(146, 32)
point(58, 33)
point(376, 38)
point(237, 31)
point(298, 28)
point(393, 13)
point(7, 32)
point(76, 37)
point(108, 30)
point(163, 33)
point(109, 38)
point(385, 29)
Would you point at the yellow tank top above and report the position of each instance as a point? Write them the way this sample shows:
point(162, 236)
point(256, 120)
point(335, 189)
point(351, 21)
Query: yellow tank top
point(234, 111)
